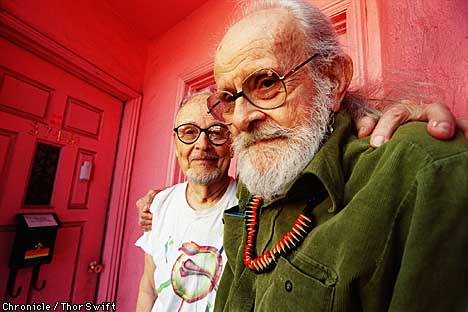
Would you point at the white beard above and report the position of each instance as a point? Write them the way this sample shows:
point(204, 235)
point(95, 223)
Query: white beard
point(203, 179)
point(280, 163)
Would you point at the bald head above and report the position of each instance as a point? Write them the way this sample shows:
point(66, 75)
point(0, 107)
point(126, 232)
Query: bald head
point(193, 105)
point(306, 19)
point(271, 32)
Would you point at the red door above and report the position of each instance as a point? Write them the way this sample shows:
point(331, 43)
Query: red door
point(58, 139)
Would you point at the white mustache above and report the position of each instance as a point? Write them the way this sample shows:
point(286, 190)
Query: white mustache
point(267, 131)
point(204, 156)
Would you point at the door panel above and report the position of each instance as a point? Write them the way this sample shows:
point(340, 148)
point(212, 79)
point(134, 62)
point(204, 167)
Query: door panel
point(40, 103)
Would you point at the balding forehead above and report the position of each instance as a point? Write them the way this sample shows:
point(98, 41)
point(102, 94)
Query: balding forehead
point(269, 30)
point(193, 110)
point(256, 27)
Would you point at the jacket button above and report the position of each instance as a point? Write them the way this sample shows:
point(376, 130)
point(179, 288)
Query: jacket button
point(288, 286)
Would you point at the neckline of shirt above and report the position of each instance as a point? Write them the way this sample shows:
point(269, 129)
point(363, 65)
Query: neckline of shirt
point(214, 209)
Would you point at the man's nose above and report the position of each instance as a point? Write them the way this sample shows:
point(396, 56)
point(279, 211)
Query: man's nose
point(202, 142)
point(245, 114)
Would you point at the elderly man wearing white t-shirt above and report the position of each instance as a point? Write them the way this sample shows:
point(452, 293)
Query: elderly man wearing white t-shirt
point(184, 255)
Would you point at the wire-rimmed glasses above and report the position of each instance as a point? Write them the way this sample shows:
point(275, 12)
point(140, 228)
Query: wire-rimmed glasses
point(263, 88)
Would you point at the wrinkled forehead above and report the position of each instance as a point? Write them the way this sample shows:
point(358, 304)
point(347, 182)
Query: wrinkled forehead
point(260, 37)
point(195, 111)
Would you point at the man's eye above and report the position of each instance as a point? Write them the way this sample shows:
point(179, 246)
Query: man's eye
point(226, 97)
point(218, 131)
point(189, 132)
point(264, 87)
point(267, 83)
point(262, 82)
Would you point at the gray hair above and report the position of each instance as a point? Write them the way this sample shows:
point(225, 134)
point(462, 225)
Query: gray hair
point(319, 32)
point(204, 92)
point(191, 96)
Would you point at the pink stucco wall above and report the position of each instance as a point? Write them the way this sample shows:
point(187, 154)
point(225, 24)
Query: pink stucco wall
point(427, 41)
point(91, 30)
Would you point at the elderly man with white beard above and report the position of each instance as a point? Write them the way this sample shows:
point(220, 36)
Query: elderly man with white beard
point(325, 222)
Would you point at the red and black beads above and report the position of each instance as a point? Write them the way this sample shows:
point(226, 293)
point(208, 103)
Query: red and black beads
point(290, 241)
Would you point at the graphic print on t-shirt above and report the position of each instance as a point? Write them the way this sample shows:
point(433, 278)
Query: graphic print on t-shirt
point(196, 271)
point(168, 243)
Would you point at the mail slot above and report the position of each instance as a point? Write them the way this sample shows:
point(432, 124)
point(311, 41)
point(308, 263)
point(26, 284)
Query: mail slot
point(35, 239)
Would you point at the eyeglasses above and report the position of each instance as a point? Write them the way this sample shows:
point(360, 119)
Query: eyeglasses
point(189, 133)
point(264, 89)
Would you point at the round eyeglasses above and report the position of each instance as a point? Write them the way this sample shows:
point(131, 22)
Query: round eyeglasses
point(264, 89)
point(189, 133)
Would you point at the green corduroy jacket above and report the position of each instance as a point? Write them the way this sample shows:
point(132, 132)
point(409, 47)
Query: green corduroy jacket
point(390, 234)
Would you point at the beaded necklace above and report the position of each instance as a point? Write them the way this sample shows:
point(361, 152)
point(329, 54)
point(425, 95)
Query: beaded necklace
point(290, 241)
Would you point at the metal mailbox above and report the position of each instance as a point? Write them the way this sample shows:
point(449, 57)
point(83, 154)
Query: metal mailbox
point(35, 239)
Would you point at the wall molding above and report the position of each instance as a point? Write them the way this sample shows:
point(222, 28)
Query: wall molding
point(363, 46)
point(335, 7)
point(118, 203)
point(20, 33)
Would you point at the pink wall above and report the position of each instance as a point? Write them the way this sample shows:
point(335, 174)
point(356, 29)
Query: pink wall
point(91, 30)
point(427, 40)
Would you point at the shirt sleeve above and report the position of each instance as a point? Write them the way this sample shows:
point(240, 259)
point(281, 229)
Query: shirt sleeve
point(433, 240)
point(144, 242)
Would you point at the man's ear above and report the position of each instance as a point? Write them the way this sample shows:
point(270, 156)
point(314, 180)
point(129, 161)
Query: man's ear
point(340, 73)
point(176, 152)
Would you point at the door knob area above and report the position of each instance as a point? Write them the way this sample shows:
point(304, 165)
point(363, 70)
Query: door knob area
point(94, 267)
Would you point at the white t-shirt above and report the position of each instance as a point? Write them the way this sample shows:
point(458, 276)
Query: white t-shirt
point(187, 248)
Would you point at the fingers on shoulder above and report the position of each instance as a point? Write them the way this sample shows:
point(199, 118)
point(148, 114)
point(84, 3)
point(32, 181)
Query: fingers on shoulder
point(365, 125)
